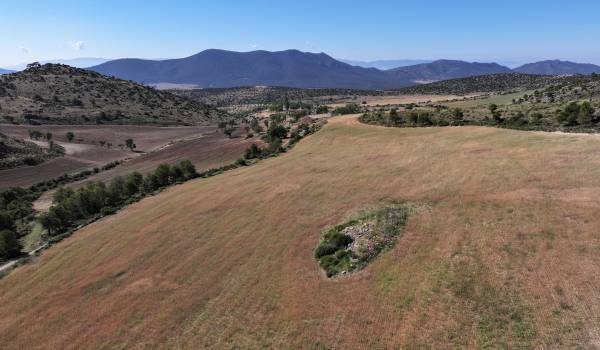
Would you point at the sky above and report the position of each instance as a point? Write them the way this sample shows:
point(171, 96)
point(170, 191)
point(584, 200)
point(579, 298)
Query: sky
point(500, 31)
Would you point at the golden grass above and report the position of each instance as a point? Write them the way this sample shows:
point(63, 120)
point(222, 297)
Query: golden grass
point(504, 252)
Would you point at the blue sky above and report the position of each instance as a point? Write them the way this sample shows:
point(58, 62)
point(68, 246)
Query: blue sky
point(364, 30)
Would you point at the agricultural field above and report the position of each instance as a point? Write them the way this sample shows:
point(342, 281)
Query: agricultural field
point(92, 146)
point(486, 258)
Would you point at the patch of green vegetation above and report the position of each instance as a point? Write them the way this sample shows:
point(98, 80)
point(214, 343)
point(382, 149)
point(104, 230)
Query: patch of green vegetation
point(376, 230)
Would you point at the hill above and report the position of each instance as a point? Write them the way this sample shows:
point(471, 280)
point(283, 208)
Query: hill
point(227, 262)
point(59, 94)
point(484, 83)
point(5, 71)
point(15, 152)
point(445, 69)
point(220, 68)
point(81, 62)
point(556, 67)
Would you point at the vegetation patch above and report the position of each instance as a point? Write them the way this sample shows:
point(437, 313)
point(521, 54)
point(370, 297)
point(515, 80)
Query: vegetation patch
point(350, 246)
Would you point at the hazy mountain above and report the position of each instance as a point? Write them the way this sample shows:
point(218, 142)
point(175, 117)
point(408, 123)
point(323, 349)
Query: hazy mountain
point(5, 71)
point(445, 69)
point(385, 64)
point(556, 67)
point(82, 62)
point(219, 68)
point(60, 94)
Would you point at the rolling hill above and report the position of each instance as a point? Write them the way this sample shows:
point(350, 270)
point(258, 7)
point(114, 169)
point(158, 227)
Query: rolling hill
point(59, 94)
point(486, 260)
point(220, 68)
point(557, 67)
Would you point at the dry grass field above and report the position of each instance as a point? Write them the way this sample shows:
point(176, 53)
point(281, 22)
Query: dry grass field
point(503, 252)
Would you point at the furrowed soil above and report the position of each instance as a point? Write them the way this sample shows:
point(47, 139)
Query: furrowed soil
point(85, 152)
point(503, 252)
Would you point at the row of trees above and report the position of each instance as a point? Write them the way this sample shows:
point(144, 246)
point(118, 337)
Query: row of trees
point(71, 207)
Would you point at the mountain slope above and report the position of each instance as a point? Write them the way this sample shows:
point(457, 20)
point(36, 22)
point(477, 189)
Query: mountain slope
point(58, 94)
point(219, 68)
point(557, 67)
point(446, 69)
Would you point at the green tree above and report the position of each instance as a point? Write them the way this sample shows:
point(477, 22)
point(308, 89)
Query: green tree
point(188, 169)
point(9, 245)
point(162, 173)
point(585, 114)
point(70, 136)
point(133, 183)
point(130, 144)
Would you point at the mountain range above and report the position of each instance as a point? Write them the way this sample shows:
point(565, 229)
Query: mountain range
point(292, 68)
point(219, 68)
point(5, 71)
point(556, 67)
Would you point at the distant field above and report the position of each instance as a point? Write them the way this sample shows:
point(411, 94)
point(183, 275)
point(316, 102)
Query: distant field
point(85, 151)
point(493, 99)
point(503, 252)
point(401, 99)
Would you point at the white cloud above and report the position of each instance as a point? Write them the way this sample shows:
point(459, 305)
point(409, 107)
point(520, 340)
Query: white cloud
point(254, 46)
point(76, 45)
point(23, 49)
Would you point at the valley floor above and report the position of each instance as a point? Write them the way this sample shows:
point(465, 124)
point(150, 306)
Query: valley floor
point(504, 252)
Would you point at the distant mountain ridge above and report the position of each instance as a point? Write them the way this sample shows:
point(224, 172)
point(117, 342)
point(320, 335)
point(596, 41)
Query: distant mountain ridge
point(557, 67)
point(219, 68)
point(5, 71)
point(292, 68)
point(446, 69)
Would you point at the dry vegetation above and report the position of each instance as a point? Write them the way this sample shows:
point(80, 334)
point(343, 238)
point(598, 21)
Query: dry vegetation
point(504, 253)
point(59, 94)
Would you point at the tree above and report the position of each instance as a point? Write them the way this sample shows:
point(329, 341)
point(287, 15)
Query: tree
point(48, 136)
point(457, 114)
point(586, 113)
point(276, 131)
point(162, 173)
point(130, 144)
point(228, 131)
point(9, 245)
point(70, 136)
point(133, 183)
point(188, 169)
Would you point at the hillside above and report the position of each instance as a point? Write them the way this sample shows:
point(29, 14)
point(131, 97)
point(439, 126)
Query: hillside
point(59, 94)
point(220, 68)
point(556, 67)
point(486, 260)
point(15, 152)
point(484, 83)
point(446, 69)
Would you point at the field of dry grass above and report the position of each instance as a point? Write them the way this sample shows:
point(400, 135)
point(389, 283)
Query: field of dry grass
point(503, 252)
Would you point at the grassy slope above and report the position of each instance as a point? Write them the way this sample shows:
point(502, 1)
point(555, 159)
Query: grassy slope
point(504, 251)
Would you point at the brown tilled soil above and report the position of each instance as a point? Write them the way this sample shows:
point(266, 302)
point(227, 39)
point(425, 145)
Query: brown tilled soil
point(85, 151)
point(506, 256)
